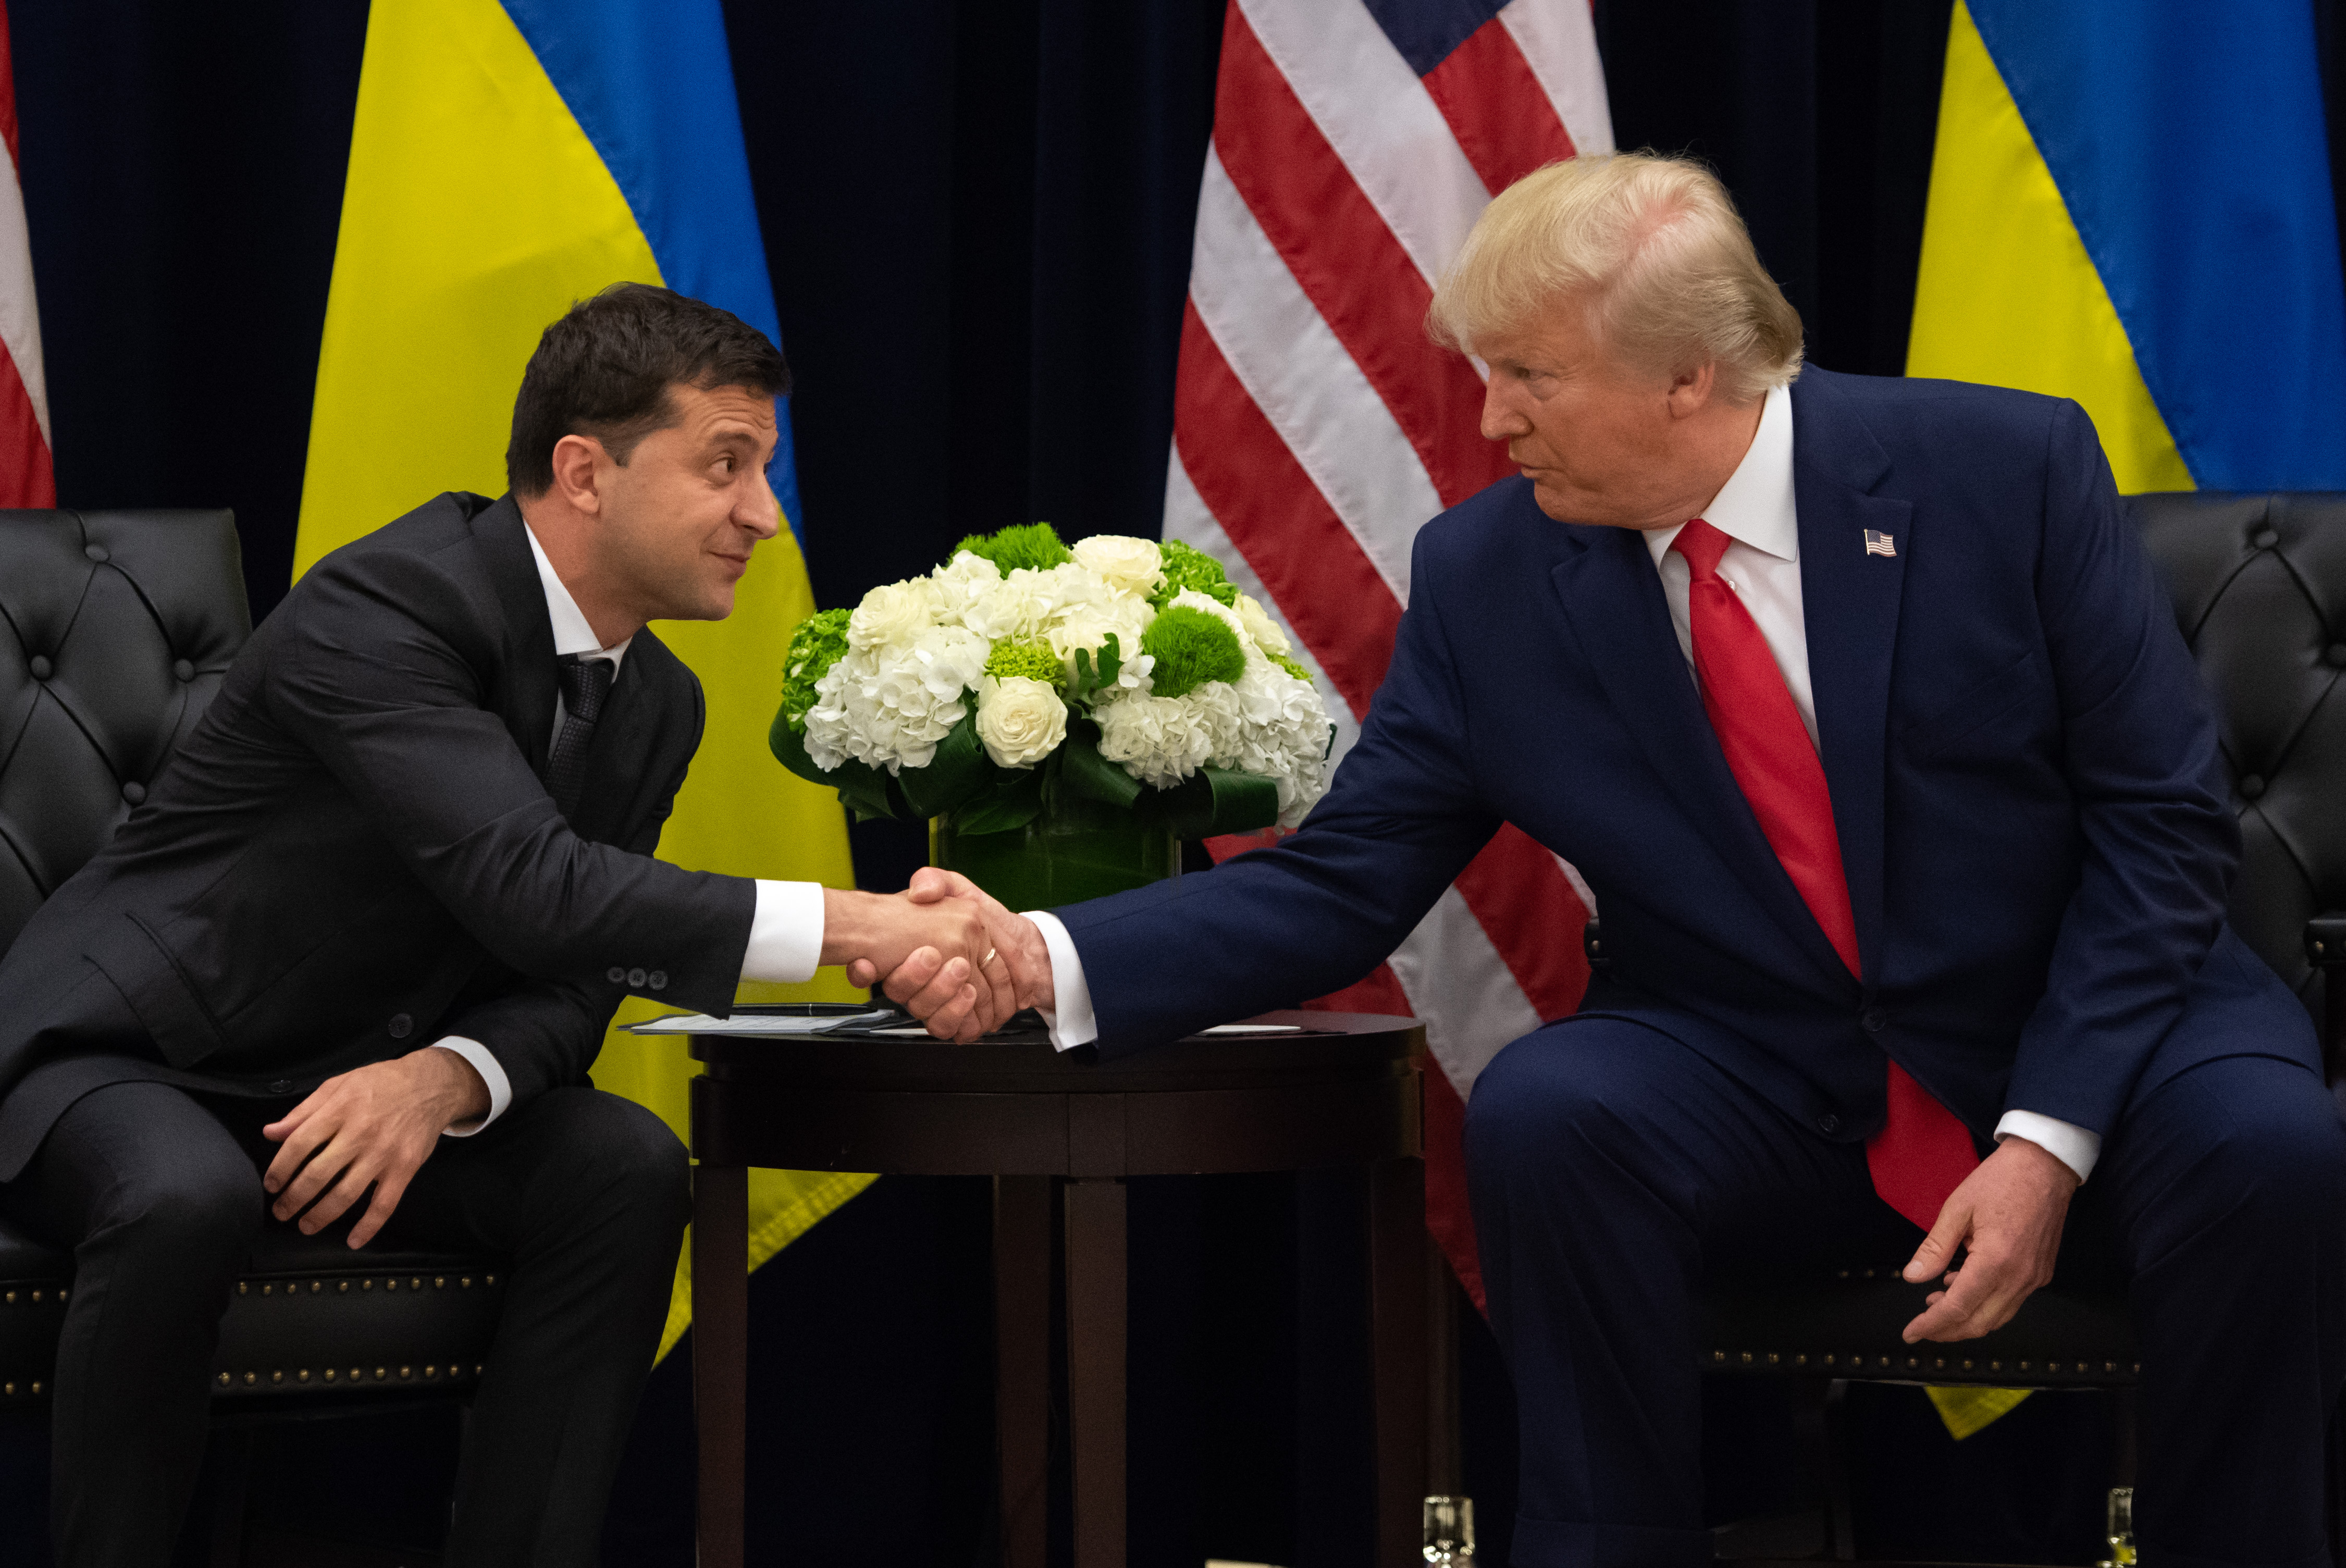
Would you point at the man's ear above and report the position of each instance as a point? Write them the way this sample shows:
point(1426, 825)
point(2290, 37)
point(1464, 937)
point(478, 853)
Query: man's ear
point(1691, 389)
point(577, 461)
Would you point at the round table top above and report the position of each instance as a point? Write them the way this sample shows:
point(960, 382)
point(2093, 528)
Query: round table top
point(1270, 1049)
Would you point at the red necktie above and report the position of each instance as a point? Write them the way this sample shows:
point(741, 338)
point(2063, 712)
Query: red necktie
point(1921, 1152)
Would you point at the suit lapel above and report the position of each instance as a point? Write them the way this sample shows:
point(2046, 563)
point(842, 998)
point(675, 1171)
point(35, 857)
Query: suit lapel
point(530, 686)
point(1613, 601)
point(1850, 601)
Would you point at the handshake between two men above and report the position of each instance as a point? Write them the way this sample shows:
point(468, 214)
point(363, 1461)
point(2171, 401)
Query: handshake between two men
point(943, 949)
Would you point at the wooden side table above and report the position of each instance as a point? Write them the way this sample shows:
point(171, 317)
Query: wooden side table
point(1344, 1092)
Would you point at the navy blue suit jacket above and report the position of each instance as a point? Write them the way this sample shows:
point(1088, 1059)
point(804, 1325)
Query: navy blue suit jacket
point(2021, 754)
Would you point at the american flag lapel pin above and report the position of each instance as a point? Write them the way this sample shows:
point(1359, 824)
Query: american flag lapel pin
point(1879, 544)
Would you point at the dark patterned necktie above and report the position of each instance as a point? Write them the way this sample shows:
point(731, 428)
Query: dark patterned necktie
point(586, 682)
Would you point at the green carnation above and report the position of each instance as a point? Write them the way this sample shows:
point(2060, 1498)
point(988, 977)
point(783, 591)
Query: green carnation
point(1032, 545)
point(1187, 567)
point(1291, 667)
point(1033, 659)
point(818, 644)
point(1190, 648)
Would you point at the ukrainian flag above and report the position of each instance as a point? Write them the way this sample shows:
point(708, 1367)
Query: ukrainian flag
point(508, 160)
point(2130, 205)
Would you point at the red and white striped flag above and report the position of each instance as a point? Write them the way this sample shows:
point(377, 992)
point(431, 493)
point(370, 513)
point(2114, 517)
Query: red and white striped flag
point(1316, 427)
point(27, 476)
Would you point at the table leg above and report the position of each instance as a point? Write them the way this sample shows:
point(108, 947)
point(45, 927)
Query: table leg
point(1095, 1368)
point(721, 1355)
point(1397, 1266)
point(1445, 1300)
point(1022, 1363)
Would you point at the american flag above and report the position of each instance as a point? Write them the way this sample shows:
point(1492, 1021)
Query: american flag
point(1879, 544)
point(1316, 427)
point(26, 478)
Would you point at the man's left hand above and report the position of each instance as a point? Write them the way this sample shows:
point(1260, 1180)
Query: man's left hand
point(2006, 1218)
point(372, 1127)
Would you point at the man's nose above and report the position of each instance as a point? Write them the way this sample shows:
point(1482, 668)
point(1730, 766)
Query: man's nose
point(759, 512)
point(1500, 422)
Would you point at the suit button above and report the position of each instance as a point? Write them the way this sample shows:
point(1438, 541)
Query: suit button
point(400, 1025)
point(134, 792)
point(636, 977)
point(184, 670)
point(42, 668)
point(283, 1086)
point(1873, 1020)
point(96, 552)
point(617, 976)
point(2251, 786)
point(657, 978)
point(1828, 1124)
point(2266, 540)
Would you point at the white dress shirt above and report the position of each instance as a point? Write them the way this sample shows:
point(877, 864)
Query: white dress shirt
point(1755, 509)
point(785, 930)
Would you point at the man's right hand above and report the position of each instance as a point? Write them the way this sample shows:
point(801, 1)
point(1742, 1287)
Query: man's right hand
point(945, 940)
point(1020, 974)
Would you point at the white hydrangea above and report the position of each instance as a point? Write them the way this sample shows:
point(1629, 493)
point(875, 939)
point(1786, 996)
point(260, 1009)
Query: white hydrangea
point(889, 706)
point(1159, 740)
point(1267, 723)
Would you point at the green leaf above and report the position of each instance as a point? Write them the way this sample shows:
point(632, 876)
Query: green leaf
point(960, 771)
point(1084, 772)
point(862, 789)
point(1096, 675)
point(1014, 801)
point(1213, 800)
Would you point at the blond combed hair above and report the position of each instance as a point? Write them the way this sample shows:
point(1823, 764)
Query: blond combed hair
point(1655, 252)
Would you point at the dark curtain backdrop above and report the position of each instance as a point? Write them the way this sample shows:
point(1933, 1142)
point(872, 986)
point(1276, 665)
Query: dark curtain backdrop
point(977, 219)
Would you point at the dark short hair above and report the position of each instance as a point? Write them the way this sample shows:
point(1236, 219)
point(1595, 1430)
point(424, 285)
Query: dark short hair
point(603, 370)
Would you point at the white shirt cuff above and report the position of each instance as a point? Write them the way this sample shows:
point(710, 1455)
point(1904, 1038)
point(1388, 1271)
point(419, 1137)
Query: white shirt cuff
point(786, 933)
point(491, 1072)
point(2072, 1144)
point(1072, 1024)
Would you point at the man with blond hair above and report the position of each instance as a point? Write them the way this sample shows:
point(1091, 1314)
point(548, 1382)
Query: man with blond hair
point(1856, 704)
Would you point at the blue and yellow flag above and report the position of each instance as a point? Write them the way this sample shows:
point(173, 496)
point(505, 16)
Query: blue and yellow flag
point(508, 160)
point(2130, 205)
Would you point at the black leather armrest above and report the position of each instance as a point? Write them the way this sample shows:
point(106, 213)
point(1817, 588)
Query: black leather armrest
point(2325, 941)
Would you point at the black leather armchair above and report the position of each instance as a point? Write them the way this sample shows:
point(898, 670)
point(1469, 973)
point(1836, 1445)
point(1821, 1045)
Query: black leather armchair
point(115, 630)
point(2258, 584)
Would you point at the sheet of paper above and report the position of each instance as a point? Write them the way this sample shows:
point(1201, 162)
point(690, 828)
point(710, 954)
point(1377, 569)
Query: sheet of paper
point(1254, 1029)
point(759, 1023)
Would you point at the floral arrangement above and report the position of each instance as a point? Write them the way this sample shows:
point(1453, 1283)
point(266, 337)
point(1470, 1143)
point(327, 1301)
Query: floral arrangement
point(1117, 670)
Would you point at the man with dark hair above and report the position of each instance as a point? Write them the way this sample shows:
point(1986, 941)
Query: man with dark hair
point(371, 924)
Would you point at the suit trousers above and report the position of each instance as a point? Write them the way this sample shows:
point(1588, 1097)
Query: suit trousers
point(158, 1192)
point(1611, 1167)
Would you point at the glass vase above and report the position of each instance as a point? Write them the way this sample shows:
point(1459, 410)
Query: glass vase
point(1076, 849)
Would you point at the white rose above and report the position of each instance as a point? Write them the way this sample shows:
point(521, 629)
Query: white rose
point(1262, 627)
point(1022, 721)
point(893, 615)
point(1132, 565)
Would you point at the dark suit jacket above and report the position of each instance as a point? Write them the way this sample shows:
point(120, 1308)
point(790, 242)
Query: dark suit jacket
point(2021, 755)
point(354, 853)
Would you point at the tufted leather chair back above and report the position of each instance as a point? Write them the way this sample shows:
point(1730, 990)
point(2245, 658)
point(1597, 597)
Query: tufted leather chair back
point(115, 630)
point(2259, 589)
